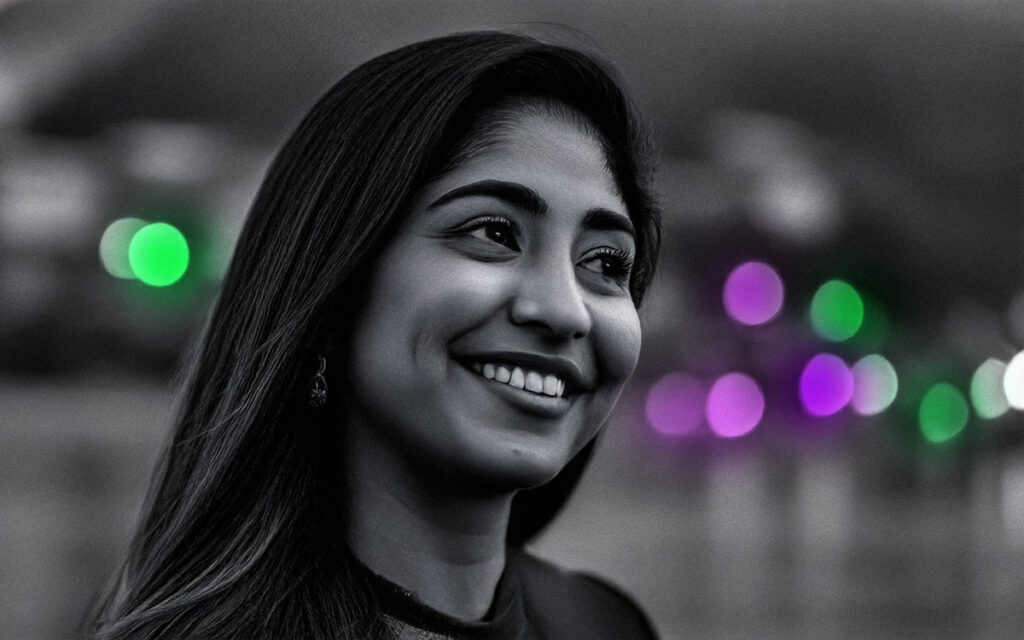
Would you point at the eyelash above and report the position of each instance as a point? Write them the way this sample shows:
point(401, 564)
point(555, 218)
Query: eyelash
point(617, 264)
point(489, 222)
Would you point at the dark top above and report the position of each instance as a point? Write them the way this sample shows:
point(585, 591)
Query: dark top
point(534, 601)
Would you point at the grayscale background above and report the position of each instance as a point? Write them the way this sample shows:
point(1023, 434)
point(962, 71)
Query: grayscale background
point(881, 141)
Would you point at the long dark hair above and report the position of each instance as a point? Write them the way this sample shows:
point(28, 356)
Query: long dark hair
point(239, 535)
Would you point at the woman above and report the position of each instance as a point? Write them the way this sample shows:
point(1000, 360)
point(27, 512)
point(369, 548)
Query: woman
point(429, 314)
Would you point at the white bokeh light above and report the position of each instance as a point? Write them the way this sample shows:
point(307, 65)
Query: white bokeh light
point(1013, 382)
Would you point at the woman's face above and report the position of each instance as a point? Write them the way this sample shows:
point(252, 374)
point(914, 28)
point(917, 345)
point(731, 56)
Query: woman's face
point(499, 329)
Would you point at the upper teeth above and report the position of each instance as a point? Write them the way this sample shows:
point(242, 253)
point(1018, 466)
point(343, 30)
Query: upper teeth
point(547, 384)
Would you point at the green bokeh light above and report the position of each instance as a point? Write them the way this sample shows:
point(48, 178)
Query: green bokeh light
point(158, 254)
point(837, 311)
point(943, 413)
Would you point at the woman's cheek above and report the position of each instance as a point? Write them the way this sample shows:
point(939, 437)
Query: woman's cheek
point(475, 283)
point(618, 337)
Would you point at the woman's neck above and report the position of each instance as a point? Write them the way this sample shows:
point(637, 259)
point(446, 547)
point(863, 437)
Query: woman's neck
point(445, 546)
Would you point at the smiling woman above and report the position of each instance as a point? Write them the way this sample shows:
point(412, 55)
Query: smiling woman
point(447, 257)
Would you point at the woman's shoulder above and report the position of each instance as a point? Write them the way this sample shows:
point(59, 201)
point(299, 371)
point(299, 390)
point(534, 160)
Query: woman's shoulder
point(571, 604)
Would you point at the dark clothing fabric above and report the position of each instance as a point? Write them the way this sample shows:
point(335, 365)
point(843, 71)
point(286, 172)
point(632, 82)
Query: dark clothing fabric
point(534, 601)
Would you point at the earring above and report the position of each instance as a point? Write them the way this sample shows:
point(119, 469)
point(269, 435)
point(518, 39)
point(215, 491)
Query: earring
point(318, 386)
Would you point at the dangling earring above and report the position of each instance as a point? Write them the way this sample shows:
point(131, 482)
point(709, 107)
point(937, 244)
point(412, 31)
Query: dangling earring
point(318, 386)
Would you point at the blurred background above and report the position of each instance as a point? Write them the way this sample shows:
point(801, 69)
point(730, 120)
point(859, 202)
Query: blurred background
point(824, 438)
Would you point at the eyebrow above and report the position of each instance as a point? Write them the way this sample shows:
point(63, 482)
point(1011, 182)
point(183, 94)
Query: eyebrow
point(525, 198)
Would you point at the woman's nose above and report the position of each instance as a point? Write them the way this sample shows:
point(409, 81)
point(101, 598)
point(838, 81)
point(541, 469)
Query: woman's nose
point(550, 301)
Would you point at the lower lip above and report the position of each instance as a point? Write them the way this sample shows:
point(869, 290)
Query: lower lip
point(533, 403)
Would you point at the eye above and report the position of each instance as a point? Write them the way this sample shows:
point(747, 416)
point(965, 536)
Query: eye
point(612, 263)
point(494, 229)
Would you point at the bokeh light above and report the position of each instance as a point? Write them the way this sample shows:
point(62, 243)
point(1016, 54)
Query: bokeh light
point(943, 413)
point(875, 385)
point(837, 311)
point(675, 404)
point(114, 246)
point(753, 293)
point(1013, 382)
point(826, 385)
point(987, 389)
point(158, 254)
point(735, 405)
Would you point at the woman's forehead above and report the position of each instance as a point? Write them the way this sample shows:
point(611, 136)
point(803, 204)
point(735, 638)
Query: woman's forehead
point(505, 119)
point(546, 152)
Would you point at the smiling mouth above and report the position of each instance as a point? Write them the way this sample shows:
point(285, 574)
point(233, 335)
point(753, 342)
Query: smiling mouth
point(539, 383)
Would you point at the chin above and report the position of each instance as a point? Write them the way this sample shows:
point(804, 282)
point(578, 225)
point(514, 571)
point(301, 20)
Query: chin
point(514, 463)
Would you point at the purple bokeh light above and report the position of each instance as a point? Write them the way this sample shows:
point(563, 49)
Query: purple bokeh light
point(675, 404)
point(735, 405)
point(826, 385)
point(753, 293)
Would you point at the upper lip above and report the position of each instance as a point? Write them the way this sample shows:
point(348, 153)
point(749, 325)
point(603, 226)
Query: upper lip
point(564, 368)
